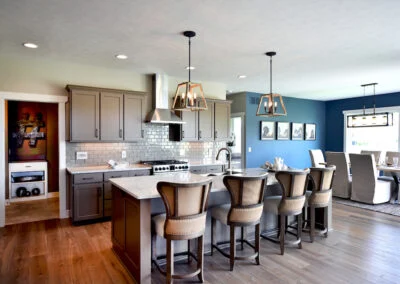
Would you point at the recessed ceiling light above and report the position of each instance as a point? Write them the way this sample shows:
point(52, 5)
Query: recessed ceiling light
point(242, 76)
point(190, 68)
point(30, 45)
point(121, 56)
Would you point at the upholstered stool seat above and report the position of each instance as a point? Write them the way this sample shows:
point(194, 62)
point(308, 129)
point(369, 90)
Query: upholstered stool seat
point(185, 219)
point(246, 208)
point(290, 203)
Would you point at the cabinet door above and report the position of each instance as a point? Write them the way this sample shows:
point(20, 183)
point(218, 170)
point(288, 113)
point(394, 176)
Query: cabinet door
point(190, 128)
point(133, 117)
point(206, 123)
point(84, 115)
point(222, 121)
point(118, 218)
point(88, 201)
point(111, 116)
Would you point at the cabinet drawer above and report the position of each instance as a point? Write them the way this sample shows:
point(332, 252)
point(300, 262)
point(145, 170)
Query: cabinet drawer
point(107, 208)
point(88, 178)
point(139, 173)
point(109, 175)
point(198, 169)
point(214, 169)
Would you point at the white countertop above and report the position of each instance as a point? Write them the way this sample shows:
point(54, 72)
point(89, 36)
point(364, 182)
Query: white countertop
point(145, 187)
point(106, 168)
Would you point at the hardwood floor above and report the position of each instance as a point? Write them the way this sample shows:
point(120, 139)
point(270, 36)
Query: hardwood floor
point(363, 248)
point(31, 211)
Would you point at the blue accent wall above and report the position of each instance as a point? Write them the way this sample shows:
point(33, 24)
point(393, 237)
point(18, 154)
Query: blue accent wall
point(294, 152)
point(335, 118)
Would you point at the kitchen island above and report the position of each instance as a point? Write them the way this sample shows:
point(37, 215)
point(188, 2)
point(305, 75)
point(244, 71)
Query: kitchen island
point(134, 200)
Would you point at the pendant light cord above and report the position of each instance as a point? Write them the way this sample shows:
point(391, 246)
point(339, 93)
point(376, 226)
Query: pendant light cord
point(190, 66)
point(364, 101)
point(270, 74)
point(374, 99)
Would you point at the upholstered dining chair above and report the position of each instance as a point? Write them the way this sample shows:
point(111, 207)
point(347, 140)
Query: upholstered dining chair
point(290, 203)
point(366, 187)
point(341, 186)
point(317, 158)
point(245, 209)
point(185, 219)
point(378, 155)
point(321, 180)
point(390, 155)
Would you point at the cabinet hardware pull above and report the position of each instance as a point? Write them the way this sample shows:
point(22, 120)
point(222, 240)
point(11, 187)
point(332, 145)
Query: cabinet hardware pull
point(216, 134)
point(87, 178)
point(199, 133)
point(96, 133)
point(183, 133)
point(142, 133)
point(120, 133)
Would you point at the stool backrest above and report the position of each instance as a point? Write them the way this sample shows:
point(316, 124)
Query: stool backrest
point(294, 186)
point(247, 196)
point(185, 206)
point(321, 180)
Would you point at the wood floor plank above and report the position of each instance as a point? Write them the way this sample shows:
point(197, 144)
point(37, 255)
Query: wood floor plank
point(361, 249)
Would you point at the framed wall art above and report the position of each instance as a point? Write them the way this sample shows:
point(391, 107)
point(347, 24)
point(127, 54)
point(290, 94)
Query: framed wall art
point(283, 130)
point(297, 131)
point(310, 131)
point(267, 130)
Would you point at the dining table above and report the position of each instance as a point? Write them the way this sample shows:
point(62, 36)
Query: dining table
point(394, 171)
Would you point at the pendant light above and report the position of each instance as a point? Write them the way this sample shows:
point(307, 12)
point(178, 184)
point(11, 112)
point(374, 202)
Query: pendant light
point(189, 96)
point(271, 104)
point(372, 119)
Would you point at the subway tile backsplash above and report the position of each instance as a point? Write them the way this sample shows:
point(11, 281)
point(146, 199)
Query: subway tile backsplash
point(155, 146)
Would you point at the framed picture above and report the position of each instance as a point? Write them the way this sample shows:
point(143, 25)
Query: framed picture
point(297, 131)
point(310, 131)
point(283, 130)
point(267, 130)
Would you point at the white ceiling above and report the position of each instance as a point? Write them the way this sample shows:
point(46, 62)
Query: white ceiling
point(325, 49)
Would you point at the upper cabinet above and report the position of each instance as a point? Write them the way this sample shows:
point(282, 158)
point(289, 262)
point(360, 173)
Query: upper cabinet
point(208, 125)
point(104, 115)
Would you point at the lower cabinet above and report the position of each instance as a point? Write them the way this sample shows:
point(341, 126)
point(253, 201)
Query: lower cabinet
point(88, 201)
point(91, 195)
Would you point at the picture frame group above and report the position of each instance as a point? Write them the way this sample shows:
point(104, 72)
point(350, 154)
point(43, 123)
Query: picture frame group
point(283, 130)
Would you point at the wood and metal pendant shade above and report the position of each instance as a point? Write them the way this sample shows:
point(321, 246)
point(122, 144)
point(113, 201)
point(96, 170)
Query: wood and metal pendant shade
point(189, 96)
point(271, 104)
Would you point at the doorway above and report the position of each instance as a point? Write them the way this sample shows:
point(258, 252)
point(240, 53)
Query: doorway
point(61, 101)
point(237, 142)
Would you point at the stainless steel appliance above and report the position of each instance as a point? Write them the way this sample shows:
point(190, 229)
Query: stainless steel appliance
point(165, 166)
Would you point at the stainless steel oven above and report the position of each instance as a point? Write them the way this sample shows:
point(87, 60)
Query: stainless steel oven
point(167, 166)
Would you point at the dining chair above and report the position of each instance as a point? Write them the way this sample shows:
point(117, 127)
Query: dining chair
point(185, 219)
point(289, 203)
point(245, 209)
point(317, 158)
point(378, 155)
point(366, 187)
point(341, 186)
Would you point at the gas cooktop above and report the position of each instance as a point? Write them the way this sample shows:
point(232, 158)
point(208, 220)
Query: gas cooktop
point(162, 166)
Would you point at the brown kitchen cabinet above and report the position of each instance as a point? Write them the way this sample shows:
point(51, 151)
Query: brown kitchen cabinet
point(208, 125)
point(90, 193)
point(98, 114)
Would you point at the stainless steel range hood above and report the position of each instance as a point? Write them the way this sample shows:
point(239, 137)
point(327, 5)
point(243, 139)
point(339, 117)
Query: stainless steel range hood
point(161, 113)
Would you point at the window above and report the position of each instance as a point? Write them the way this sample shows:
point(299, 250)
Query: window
point(384, 138)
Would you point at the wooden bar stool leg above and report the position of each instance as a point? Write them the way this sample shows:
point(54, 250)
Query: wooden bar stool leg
point(312, 225)
point(257, 244)
point(188, 252)
point(326, 221)
point(170, 260)
point(299, 229)
point(282, 233)
point(232, 247)
point(153, 248)
point(241, 238)
point(200, 258)
point(213, 231)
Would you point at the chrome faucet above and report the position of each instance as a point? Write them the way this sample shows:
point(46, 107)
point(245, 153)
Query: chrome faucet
point(229, 156)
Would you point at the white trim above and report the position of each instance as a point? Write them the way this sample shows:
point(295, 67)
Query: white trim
point(61, 100)
point(242, 115)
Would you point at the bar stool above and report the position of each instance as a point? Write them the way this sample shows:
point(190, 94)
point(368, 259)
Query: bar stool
point(185, 219)
point(321, 180)
point(290, 203)
point(247, 194)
